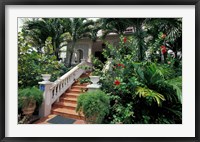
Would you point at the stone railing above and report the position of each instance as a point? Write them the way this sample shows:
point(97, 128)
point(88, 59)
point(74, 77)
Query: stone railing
point(53, 90)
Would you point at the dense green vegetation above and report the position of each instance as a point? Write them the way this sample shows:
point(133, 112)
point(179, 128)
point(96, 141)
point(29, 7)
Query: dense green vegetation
point(94, 105)
point(142, 92)
point(144, 84)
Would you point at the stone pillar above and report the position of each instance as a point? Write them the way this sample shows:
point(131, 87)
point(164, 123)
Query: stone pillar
point(90, 52)
point(45, 108)
point(93, 87)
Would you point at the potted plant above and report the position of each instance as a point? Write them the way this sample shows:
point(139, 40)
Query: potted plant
point(94, 105)
point(28, 98)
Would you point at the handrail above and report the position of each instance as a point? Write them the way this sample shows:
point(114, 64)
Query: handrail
point(66, 75)
point(53, 90)
point(65, 81)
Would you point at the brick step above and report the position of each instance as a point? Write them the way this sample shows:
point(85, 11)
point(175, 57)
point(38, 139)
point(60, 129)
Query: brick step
point(67, 113)
point(68, 99)
point(70, 94)
point(78, 84)
point(79, 87)
point(66, 105)
point(74, 91)
point(84, 76)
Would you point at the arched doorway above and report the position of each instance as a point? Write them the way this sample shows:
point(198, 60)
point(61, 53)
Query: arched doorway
point(79, 55)
point(99, 55)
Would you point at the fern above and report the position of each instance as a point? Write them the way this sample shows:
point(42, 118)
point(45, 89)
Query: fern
point(176, 84)
point(146, 92)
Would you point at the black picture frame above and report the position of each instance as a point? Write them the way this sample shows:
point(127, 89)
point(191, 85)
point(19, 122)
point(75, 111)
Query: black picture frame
point(3, 4)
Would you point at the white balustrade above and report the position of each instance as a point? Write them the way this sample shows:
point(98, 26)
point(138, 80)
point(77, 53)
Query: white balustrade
point(53, 90)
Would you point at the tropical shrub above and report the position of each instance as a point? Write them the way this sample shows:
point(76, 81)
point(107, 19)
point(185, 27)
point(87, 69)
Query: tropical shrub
point(97, 67)
point(94, 105)
point(31, 64)
point(141, 92)
point(29, 95)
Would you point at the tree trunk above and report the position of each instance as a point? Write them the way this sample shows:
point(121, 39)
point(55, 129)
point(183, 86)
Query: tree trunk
point(56, 51)
point(141, 53)
point(176, 63)
point(71, 54)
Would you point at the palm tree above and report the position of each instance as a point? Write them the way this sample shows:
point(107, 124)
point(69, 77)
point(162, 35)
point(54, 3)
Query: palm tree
point(119, 25)
point(113, 25)
point(38, 30)
point(77, 27)
point(172, 27)
point(139, 35)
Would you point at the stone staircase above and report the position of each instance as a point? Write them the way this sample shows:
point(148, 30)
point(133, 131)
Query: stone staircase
point(66, 106)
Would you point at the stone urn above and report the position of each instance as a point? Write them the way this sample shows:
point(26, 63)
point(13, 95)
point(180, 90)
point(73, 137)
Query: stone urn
point(46, 77)
point(94, 79)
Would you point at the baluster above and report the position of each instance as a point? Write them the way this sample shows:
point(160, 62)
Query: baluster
point(56, 91)
point(65, 82)
point(53, 92)
point(59, 88)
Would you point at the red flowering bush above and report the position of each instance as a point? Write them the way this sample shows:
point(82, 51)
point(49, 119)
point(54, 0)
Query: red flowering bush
point(119, 66)
point(138, 90)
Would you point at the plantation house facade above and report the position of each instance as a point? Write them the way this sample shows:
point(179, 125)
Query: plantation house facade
point(85, 48)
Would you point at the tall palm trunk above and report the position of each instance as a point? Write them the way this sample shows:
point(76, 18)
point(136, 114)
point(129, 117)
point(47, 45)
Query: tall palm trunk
point(56, 48)
point(71, 51)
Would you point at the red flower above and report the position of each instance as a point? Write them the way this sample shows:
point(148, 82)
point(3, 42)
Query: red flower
point(118, 65)
point(121, 65)
point(169, 62)
point(117, 82)
point(125, 39)
point(163, 49)
point(163, 36)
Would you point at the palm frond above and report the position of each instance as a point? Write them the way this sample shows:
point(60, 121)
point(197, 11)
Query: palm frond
point(176, 85)
point(148, 93)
